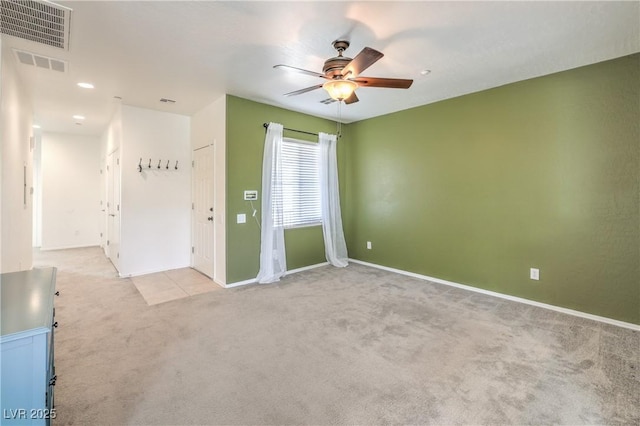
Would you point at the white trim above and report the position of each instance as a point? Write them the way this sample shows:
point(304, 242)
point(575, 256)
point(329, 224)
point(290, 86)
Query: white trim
point(67, 247)
point(239, 283)
point(292, 271)
point(306, 268)
point(505, 296)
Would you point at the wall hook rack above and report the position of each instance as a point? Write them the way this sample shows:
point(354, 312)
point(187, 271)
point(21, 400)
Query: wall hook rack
point(159, 167)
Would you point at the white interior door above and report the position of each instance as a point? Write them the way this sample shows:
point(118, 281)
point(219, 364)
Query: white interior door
point(112, 248)
point(203, 214)
point(104, 194)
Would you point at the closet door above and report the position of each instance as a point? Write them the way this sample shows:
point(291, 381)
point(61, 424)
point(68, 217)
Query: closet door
point(113, 208)
point(203, 213)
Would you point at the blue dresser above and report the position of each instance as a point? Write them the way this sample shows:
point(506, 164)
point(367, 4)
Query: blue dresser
point(27, 370)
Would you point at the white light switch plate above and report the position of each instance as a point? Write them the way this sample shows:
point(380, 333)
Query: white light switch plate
point(534, 274)
point(242, 218)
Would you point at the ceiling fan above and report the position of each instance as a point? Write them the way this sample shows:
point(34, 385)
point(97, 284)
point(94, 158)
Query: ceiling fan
point(343, 74)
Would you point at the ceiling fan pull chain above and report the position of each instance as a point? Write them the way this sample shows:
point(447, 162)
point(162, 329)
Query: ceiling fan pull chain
point(339, 123)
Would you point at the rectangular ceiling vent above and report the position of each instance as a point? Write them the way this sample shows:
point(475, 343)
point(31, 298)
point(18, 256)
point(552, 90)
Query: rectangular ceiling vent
point(38, 21)
point(28, 58)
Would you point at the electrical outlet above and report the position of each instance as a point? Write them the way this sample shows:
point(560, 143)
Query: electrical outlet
point(368, 245)
point(534, 274)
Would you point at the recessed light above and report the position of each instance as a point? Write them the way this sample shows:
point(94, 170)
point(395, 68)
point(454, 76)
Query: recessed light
point(79, 117)
point(36, 126)
point(425, 72)
point(86, 85)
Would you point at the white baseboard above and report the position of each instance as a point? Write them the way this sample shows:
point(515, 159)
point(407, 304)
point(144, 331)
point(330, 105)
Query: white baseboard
point(505, 296)
point(239, 283)
point(292, 271)
point(306, 268)
point(66, 247)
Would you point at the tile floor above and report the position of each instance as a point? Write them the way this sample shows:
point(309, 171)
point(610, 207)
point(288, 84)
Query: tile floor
point(165, 286)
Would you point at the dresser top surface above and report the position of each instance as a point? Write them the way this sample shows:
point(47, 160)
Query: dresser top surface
point(26, 302)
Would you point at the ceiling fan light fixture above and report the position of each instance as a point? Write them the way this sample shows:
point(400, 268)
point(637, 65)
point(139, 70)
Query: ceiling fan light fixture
point(340, 89)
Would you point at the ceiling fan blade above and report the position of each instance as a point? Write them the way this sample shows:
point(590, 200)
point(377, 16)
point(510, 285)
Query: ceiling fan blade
point(351, 99)
point(300, 70)
point(361, 62)
point(305, 90)
point(392, 83)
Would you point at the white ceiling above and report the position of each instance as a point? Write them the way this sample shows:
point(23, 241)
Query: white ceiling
point(196, 51)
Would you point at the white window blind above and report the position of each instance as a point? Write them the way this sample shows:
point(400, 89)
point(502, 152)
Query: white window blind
point(300, 197)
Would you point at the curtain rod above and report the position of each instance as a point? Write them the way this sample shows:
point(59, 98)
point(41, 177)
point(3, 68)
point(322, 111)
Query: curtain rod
point(266, 125)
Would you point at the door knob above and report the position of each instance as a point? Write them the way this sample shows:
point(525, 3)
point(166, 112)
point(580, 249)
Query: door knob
point(210, 218)
point(210, 209)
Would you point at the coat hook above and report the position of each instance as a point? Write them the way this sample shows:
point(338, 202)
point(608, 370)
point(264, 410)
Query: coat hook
point(159, 161)
point(167, 164)
point(149, 162)
point(140, 165)
point(176, 164)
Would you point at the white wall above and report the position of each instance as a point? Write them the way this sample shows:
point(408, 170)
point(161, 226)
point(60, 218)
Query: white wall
point(16, 154)
point(155, 204)
point(70, 167)
point(113, 134)
point(37, 188)
point(208, 127)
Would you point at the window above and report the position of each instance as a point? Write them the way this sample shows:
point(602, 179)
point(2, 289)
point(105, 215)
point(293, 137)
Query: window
point(300, 196)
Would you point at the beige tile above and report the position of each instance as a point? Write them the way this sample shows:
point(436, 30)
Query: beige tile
point(165, 296)
point(158, 279)
point(192, 281)
point(199, 287)
point(185, 274)
point(171, 285)
point(158, 288)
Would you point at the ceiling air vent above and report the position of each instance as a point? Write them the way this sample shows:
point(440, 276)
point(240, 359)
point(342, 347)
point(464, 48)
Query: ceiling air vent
point(38, 21)
point(28, 58)
point(328, 101)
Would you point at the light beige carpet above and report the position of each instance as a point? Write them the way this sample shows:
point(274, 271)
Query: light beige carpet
point(330, 346)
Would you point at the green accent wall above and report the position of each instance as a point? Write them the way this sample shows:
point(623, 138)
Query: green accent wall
point(543, 173)
point(244, 150)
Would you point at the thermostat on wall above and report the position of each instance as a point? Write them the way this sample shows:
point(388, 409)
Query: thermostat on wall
point(251, 195)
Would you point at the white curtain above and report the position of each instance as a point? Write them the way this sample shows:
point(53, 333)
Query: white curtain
point(334, 244)
point(273, 260)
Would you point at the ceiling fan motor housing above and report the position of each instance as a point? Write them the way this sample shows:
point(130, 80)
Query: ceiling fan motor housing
point(333, 66)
